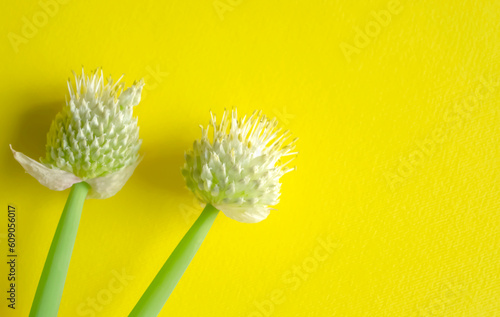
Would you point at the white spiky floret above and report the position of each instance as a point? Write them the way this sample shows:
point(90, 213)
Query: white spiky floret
point(94, 138)
point(238, 170)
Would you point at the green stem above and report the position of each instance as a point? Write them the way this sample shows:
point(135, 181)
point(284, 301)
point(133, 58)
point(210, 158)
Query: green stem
point(159, 290)
point(50, 287)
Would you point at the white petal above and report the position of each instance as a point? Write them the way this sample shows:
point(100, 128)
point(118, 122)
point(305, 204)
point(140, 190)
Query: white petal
point(244, 214)
point(132, 96)
point(107, 186)
point(51, 178)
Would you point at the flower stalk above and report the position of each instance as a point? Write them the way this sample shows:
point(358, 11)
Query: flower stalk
point(50, 287)
point(158, 292)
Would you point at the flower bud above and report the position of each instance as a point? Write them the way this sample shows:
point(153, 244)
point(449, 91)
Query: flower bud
point(239, 168)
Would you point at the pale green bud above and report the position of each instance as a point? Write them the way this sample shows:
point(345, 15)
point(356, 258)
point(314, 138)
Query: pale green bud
point(94, 138)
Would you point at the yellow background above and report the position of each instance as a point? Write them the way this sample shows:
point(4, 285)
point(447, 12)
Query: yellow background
point(395, 169)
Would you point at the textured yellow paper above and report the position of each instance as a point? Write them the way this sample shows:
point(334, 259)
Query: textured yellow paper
point(393, 210)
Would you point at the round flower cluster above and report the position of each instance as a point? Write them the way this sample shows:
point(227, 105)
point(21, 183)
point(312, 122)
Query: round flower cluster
point(239, 168)
point(94, 138)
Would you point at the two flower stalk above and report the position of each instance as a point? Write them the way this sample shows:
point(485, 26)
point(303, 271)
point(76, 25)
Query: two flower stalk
point(93, 147)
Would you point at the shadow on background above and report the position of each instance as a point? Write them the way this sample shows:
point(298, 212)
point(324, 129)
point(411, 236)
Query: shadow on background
point(31, 134)
point(161, 169)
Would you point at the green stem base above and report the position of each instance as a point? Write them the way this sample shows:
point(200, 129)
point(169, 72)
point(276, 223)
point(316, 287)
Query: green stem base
point(50, 287)
point(159, 290)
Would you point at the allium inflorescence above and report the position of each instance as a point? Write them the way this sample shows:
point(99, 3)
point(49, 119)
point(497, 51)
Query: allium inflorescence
point(95, 133)
point(238, 170)
point(94, 138)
